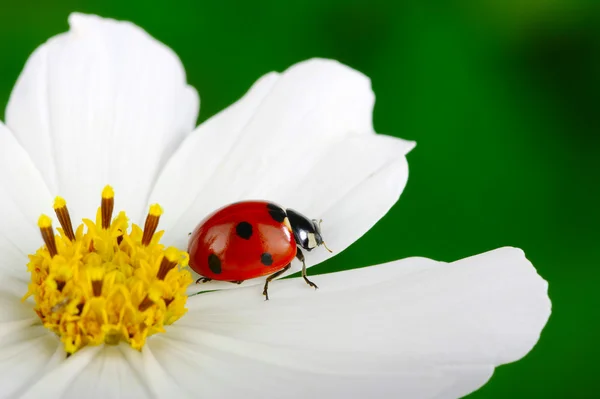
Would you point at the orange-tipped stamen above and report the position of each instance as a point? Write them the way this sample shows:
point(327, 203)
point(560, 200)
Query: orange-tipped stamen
point(169, 261)
point(62, 213)
point(107, 206)
point(45, 225)
point(151, 223)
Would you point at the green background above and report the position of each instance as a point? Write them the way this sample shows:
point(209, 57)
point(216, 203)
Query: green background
point(502, 97)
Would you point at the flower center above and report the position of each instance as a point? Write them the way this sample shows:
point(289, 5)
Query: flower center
point(105, 284)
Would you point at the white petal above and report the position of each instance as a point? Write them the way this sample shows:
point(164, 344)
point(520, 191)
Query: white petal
point(289, 131)
point(25, 358)
point(303, 138)
point(413, 328)
point(94, 372)
point(12, 309)
point(347, 217)
point(23, 197)
point(179, 186)
point(26, 347)
point(102, 104)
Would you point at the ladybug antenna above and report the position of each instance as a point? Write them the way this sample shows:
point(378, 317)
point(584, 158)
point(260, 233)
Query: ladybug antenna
point(325, 245)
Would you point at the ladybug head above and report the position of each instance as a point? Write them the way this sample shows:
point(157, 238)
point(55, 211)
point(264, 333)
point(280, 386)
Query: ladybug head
point(307, 232)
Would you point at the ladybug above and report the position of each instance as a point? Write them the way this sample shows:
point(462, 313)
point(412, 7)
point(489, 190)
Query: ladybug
point(251, 239)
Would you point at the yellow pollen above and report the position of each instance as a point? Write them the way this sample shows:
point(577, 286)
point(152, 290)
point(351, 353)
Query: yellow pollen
point(156, 210)
point(108, 192)
point(101, 284)
point(59, 202)
point(44, 222)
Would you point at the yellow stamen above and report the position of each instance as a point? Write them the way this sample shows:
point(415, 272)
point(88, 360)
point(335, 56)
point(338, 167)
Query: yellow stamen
point(107, 206)
point(45, 224)
point(62, 213)
point(96, 273)
point(169, 261)
point(151, 223)
point(106, 283)
point(145, 304)
point(97, 287)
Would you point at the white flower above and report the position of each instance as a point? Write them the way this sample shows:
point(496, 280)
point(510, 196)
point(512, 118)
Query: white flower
point(106, 103)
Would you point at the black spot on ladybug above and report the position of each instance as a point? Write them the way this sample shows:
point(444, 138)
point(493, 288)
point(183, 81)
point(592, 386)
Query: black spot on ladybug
point(244, 230)
point(214, 263)
point(266, 259)
point(277, 213)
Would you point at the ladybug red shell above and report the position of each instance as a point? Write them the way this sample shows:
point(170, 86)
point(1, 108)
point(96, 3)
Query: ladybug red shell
point(251, 239)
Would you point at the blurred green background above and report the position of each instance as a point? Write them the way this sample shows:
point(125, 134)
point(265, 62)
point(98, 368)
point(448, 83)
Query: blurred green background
point(502, 96)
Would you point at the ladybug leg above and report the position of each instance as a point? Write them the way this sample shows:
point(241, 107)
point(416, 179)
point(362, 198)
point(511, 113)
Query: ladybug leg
point(300, 257)
point(271, 277)
point(203, 280)
point(238, 282)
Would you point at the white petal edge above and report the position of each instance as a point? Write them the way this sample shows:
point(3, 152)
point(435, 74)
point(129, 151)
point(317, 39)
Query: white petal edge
point(303, 138)
point(104, 103)
point(411, 328)
point(24, 196)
